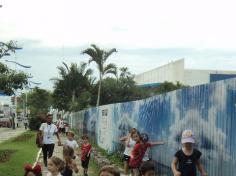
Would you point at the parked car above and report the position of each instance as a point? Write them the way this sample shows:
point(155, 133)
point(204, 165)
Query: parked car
point(5, 121)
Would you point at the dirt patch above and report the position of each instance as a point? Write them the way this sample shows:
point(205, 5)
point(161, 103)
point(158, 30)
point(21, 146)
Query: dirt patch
point(5, 155)
point(23, 137)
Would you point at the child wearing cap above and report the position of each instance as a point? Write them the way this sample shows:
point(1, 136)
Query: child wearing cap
point(139, 150)
point(188, 157)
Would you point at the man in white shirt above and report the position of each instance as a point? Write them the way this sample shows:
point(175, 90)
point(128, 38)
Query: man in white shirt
point(48, 129)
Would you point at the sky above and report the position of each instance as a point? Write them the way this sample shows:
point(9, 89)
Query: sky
point(146, 33)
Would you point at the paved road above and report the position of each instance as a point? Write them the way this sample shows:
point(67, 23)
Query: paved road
point(7, 133)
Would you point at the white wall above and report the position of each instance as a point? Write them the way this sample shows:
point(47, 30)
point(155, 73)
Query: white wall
point(196, 77)
point(172, 72)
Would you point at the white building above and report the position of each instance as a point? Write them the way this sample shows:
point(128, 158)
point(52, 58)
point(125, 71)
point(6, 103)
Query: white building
point(176, 71)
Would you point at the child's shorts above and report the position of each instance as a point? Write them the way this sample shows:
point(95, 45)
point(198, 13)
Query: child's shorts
point(85, 163)
point(126, 158)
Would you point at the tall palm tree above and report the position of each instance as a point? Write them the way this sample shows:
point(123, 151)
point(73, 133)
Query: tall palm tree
point(100, 56)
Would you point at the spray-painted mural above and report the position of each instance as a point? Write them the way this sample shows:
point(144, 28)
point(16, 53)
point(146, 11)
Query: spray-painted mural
point(209, 110)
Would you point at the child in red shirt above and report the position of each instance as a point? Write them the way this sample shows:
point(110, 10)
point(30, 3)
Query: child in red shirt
point(139, 150)
point(85, 155)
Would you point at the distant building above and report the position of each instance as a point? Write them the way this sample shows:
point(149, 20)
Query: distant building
point(175, 71)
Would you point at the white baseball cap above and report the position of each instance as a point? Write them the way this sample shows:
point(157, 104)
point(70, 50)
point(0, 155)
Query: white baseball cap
point(187, 137)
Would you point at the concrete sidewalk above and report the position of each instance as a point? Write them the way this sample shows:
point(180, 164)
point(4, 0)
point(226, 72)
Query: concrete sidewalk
point(8, 133)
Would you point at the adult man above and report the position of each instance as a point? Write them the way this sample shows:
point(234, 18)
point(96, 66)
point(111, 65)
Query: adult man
point(48, 129)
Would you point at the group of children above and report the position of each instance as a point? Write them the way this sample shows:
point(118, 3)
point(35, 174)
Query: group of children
point(66, 166)
point(136, 147)
point(136, 152)
point(185, 162)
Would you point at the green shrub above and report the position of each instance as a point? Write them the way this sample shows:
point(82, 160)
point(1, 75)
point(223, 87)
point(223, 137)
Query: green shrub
point(34, 123)
point(5, 155)
point(23, 137)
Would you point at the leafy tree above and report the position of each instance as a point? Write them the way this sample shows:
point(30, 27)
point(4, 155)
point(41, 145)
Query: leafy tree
point(39, 101)
point(72, 89)
point(10, 80)
point(122, 89)
point(100, 57)
point(166, 87)
point(7, 48)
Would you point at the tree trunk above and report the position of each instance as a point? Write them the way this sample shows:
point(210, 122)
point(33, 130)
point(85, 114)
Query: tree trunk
point(73, 96)
point(99, 90)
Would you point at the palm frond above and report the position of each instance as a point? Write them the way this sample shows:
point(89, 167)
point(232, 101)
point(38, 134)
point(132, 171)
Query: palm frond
point(88, 72)
point(110, 52)
point(98, 50)
point(66, 66)
point(110, 68)
point(95, 56)
point(62, 71)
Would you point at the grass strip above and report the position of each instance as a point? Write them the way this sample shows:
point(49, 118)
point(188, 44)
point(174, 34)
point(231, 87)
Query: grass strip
point(23, 150)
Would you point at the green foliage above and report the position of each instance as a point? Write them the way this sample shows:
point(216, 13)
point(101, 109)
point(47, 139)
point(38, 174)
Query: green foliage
point(11, 80)
point(121, 89)
point(75, 89)
point(114, 158)
point(7, 48)
point(39, 101)
point(166, 87)
point(100, 56)
point(72, 89)
point(34, 123)
point(23, 137)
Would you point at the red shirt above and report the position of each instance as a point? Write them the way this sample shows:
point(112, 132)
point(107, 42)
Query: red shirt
point(86, 149)
point(137, 154)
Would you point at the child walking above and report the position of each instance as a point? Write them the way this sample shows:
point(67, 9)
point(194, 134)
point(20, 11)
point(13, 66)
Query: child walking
point(86, 149)
point(55, 166)
point(129, 145)
point(139, 150)
point(70, 164)
point(71, 142)
point(188, 157)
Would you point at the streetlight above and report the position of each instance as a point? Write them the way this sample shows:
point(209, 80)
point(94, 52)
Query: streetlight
point(15, 116)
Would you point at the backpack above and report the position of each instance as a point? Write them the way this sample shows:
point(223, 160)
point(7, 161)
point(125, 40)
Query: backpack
point(39, 139)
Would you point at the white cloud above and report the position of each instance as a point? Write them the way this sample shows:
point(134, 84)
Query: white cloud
point(145, 23)
point(125, 25)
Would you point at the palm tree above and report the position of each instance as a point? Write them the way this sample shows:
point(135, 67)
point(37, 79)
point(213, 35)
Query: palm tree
point(73, 80)
point(100, 57)
point(124, 72)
